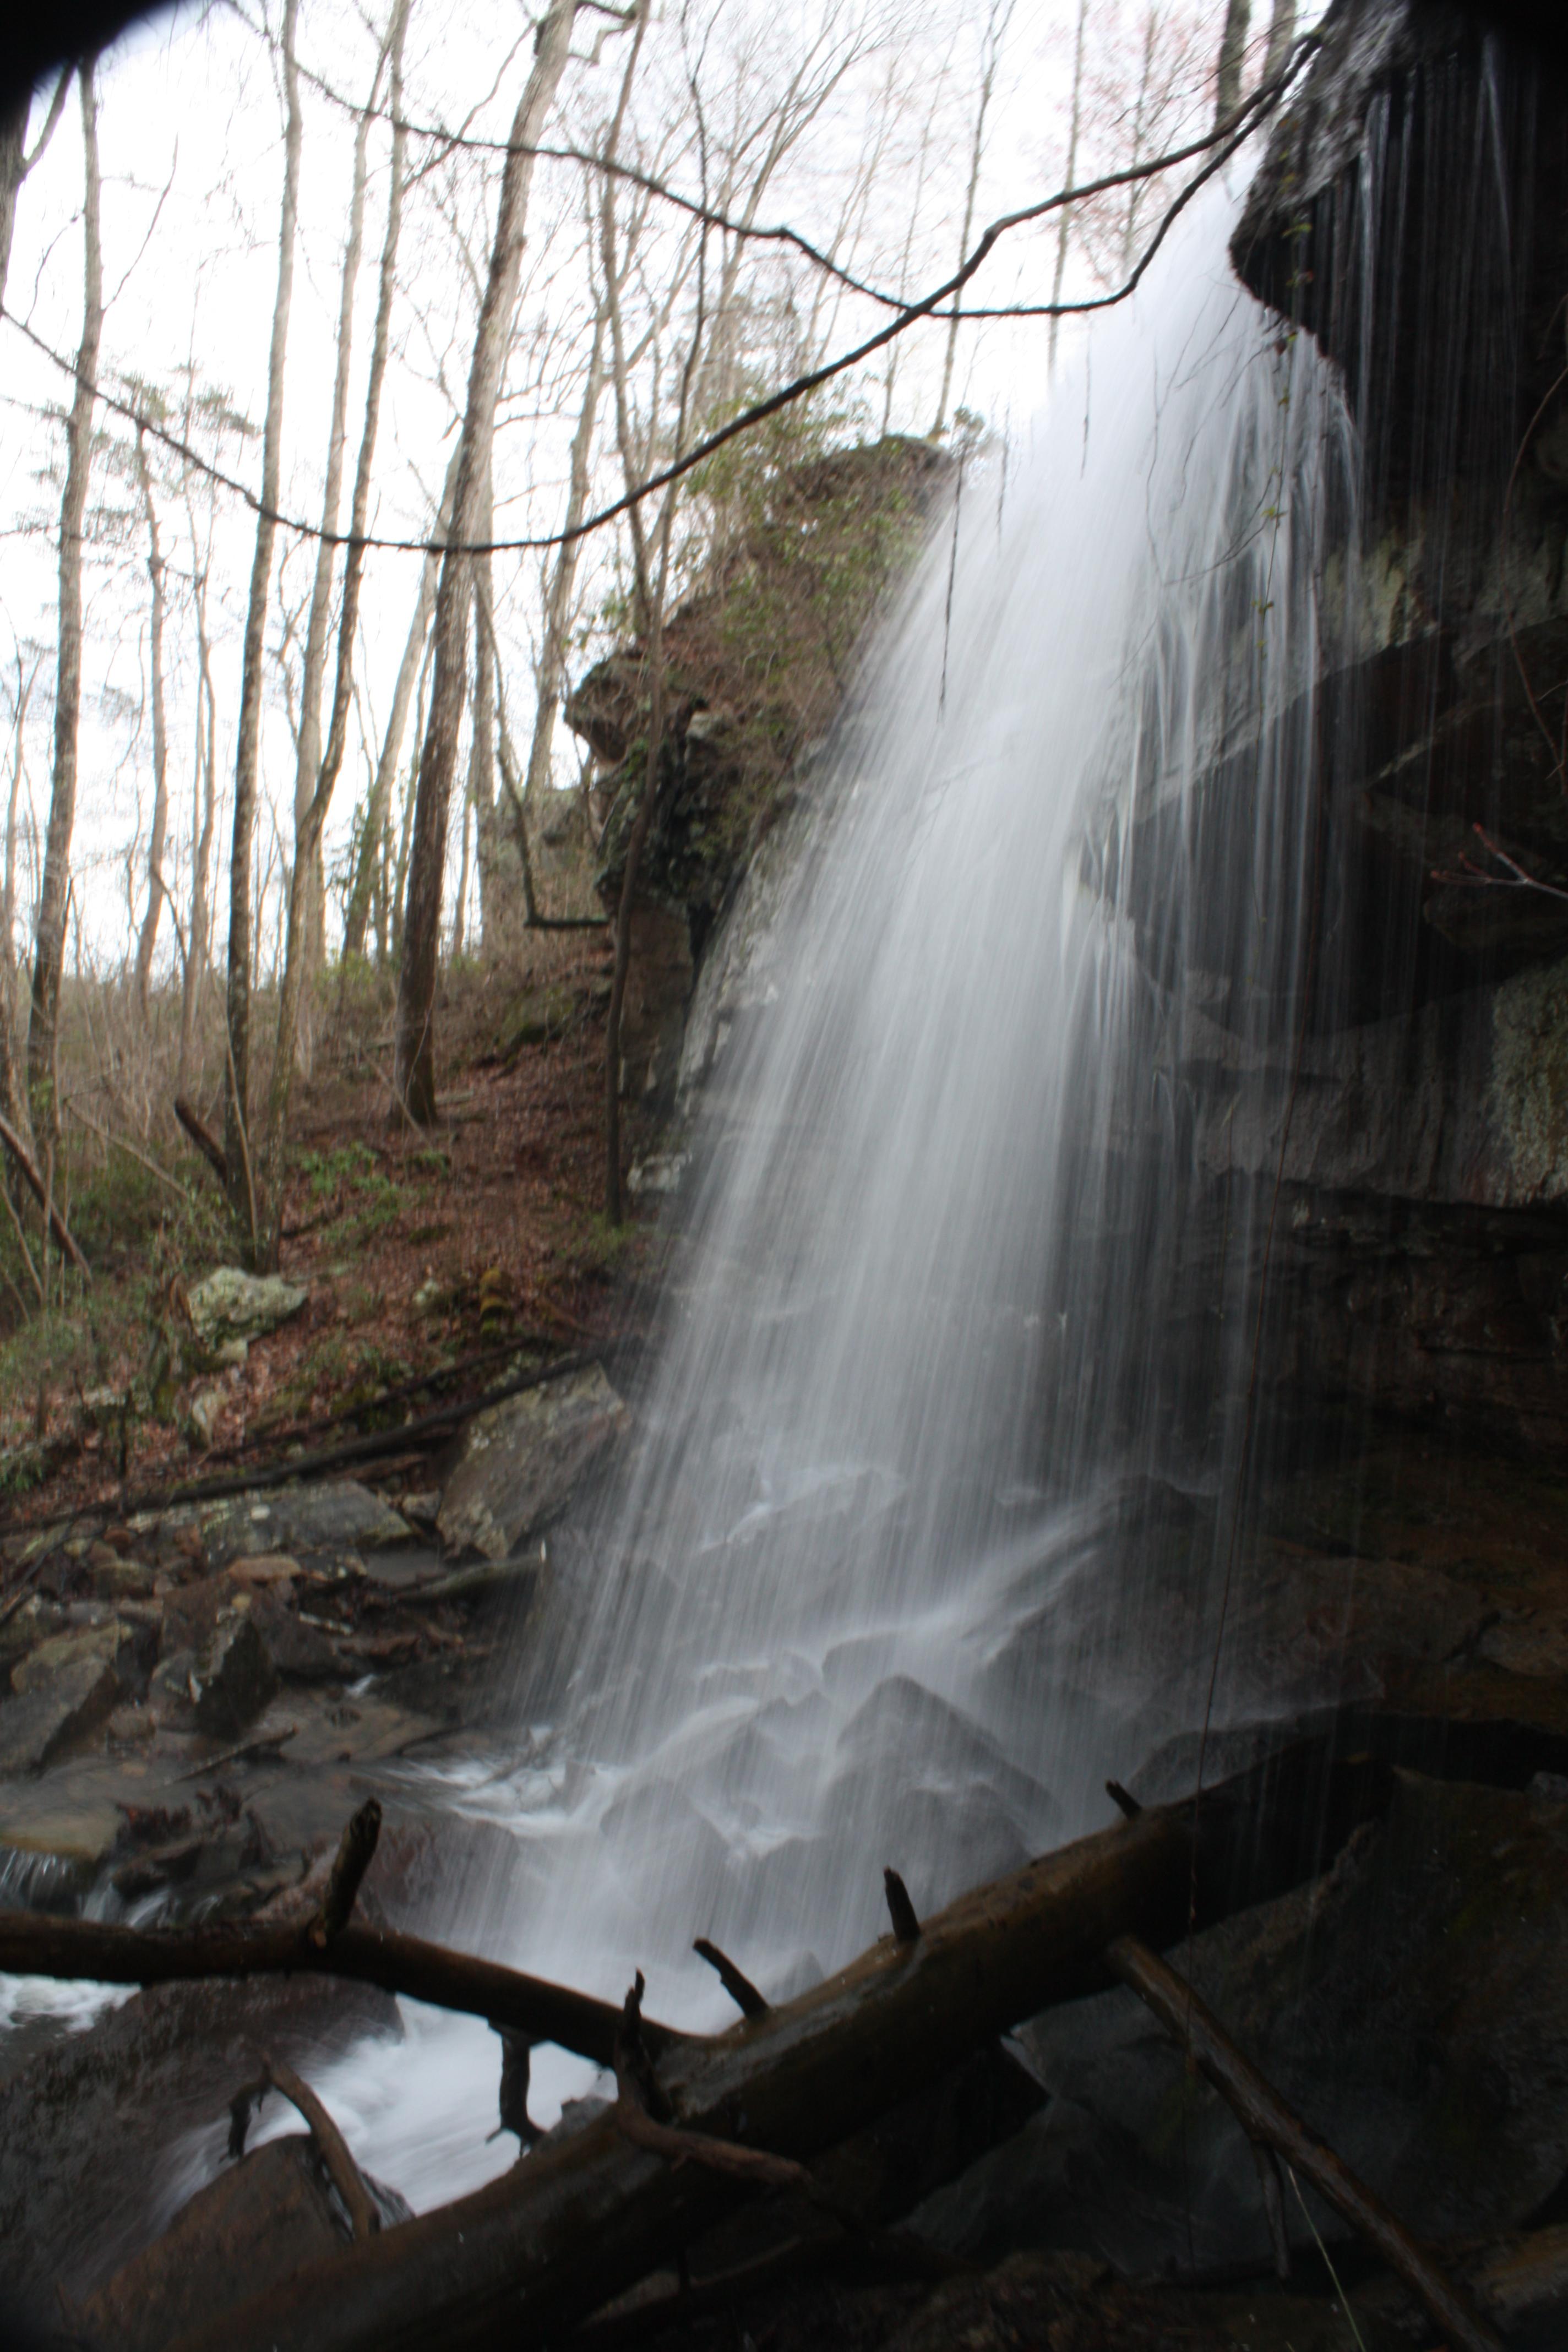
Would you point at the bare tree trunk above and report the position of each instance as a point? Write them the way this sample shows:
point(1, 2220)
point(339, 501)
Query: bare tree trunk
point(558, 596)
point(381, 897)
point(415, 1068)
point(459, 914)
point(52, 896)
point(15, 163)
point(405, 820)
point(237, 1098)
point(204, 804)
point(1064, 218)
point(996, 24)
point(308, 759)
point(156, 890)
point(378, 809)
point(480, 797)
point(1232, 55)
point(10, 1104)
point(1281, 33)
point(297, 959)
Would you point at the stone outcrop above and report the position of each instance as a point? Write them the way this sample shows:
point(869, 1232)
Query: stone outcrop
point(1411, 214)
point(1408, 2002)
point(757, 664)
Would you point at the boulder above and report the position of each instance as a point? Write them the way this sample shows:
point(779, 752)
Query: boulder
point(231, 1304)
point(119, 1579)
point(1074, 2305)
point(111, 1641)
point(66, 1688)
point(218, 1672)
point(36, 1728)
point(1411, 2006)
point(89, 2126)
point(203, 1412)
point(252, 2227)
point(39, 1616)
point(661, 1172)
point(172, 1690)
point(523, 1459)
point(337, 1517)
point(235, 1676)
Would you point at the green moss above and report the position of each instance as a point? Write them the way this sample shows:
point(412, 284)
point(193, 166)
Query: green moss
point(803, 535)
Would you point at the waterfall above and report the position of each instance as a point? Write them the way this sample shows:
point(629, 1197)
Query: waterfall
point(957, 1397)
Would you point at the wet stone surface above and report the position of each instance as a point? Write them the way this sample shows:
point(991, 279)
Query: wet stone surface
point(1411, 2006)
point(1409, 2003)
point(522, 1460)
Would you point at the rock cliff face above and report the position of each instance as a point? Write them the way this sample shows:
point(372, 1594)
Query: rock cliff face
point(1411, 214)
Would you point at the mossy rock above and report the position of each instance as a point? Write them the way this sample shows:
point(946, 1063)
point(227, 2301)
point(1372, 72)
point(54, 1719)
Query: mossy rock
point(537, 1017)
point(806, 549)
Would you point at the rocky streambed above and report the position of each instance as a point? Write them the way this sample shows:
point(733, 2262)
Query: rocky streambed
point(201, 1697)
point(193, 1702)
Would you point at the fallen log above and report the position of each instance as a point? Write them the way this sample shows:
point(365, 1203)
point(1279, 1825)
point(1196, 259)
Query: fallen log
point(587, 2215)
point(424, 1428)
point(38, 1944)
point(42, 1193)
point(1268, 2121)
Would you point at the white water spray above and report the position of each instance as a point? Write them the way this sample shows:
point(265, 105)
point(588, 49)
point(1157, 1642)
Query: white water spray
point(924, 1528)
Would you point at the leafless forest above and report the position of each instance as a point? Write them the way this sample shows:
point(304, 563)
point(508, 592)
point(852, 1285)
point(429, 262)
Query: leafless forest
point(369, 381)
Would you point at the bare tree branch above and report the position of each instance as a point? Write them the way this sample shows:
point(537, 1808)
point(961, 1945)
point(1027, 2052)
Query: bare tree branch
point(1216, 146)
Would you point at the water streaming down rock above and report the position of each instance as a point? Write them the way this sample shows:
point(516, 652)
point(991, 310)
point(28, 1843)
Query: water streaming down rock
point(941, 1465)
point(940, 1456)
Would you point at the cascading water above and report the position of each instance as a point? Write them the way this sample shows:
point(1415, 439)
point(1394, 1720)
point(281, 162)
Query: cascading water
point(937, 1481)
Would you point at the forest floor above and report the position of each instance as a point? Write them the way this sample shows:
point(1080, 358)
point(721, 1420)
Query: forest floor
point(417, 1250)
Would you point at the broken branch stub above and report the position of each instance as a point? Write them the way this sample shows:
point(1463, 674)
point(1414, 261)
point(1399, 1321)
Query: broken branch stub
point(356, 1851)
point(1265, 2118)
point(901, 1910)
point(741, 1989)
point(516, 2070)
point(534, 2252)
point(636, 2081)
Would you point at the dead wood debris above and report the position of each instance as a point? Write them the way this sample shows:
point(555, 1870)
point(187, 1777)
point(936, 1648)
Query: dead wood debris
point(356, 1849)
point(39, 1944)
point(1270, 2123)
point(699, 2124)
point(516, 2066)
point(741, 1988)
point(43, 1194)
point(901, 1910)
point(592, 2211)
point(331, 2145)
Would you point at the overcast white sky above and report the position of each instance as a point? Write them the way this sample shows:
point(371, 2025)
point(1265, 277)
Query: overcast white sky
point(190, 130)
